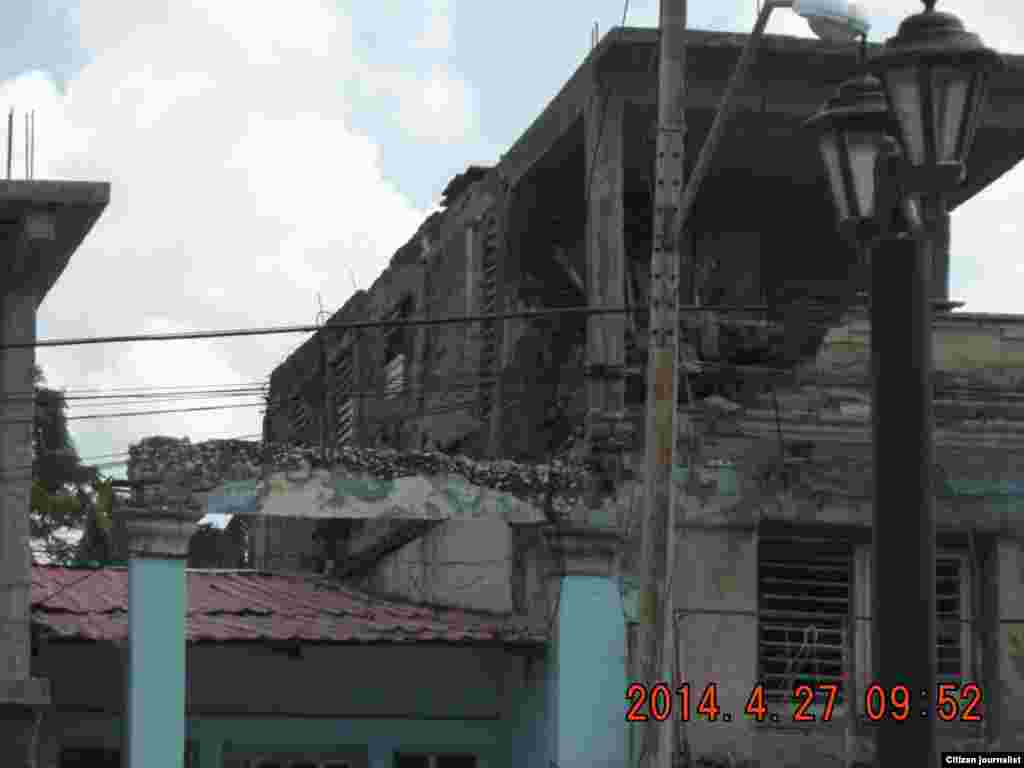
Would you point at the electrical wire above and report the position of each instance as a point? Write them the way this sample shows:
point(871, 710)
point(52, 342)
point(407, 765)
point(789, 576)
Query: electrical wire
point(439, 410)
point(583, 310)
point(138, 387)
point(10, 422)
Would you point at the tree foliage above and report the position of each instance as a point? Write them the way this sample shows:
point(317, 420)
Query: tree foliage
point(68, 498)
point(72, 501)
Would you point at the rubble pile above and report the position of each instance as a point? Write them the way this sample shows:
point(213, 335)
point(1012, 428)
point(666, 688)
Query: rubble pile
point(207, 464)
point(213, 462)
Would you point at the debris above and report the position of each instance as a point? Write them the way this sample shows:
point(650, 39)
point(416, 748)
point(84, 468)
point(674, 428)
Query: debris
point(209, 464)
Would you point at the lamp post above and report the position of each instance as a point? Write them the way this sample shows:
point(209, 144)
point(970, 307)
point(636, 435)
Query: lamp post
point(931, 85)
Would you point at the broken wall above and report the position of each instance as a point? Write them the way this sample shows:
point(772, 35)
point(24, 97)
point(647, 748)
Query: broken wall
point(466, 564)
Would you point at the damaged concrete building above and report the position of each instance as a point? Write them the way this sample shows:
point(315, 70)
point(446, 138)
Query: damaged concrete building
point(775, 504)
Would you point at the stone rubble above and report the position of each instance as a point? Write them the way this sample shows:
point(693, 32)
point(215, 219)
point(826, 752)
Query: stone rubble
point(213, 462)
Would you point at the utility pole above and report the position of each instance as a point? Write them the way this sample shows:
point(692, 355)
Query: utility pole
point(658, 532)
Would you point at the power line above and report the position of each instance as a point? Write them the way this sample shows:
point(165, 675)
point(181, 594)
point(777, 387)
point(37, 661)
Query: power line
point(145, 387)
point(122, 400)
point(584, 311)
point(12, 422)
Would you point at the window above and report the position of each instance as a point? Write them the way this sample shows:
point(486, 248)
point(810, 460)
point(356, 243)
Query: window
point(343, 386)
point(345, 421)
point(394, 376)
point(952, 627)
point(809, 590)
point(396, 341)
point(434, 761)
point(805, 598)
point(952, 624)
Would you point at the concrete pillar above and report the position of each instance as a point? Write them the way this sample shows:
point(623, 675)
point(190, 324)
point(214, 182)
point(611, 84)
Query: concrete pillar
point(606, 246)
point(1006, 688)
point(587, 687)
point(21, 697)
point(158, 534)
point(715, 586)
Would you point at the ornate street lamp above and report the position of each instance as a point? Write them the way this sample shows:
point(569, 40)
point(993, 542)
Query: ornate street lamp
point(853, 130)
point(900, 141)
point(932, 79)
point(935, 75)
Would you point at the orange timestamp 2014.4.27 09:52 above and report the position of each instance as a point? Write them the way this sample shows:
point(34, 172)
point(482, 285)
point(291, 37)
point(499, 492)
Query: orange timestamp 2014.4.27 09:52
point(951, 703)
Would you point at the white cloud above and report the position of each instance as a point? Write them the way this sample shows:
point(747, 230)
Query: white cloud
point(239, 191)
point(436, 107)
point(437, 30)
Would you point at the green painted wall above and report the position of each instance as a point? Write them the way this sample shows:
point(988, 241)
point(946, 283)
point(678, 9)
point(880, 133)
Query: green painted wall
point(491, 740)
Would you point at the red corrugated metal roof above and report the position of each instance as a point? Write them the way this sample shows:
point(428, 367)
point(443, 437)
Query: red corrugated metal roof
point(244, 605)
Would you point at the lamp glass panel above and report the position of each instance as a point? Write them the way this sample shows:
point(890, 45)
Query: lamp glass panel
point(978, 97)
point(863, 147)
point(949, 88)
point(903, 89)
point(833, 167)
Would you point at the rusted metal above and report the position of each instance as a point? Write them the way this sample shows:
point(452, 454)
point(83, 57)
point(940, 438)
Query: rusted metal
point(226, 606)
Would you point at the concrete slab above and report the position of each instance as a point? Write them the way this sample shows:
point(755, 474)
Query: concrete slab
point(779, 90)
point(43, 222)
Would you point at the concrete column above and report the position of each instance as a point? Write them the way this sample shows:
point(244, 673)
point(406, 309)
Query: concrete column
point(158, 534)
point(587, 687)
point(21, 696)
point(715, 587)
point(606, 246)
point(1006, 688)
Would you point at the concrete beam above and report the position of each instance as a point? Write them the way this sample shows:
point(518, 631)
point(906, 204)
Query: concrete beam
point(606, 245)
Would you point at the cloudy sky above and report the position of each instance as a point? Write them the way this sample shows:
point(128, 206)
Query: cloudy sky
point(262, 153)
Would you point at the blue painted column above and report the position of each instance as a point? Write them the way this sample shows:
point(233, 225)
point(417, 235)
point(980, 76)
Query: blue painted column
point(588, 683)
point(159, 532)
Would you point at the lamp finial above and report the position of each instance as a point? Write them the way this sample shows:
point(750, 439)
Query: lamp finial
point(929, 5)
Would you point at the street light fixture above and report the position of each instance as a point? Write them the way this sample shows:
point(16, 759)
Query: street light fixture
point(853, 130)
point(931, 83)
point(832, 20)
point(836, 20)
point(935, 75)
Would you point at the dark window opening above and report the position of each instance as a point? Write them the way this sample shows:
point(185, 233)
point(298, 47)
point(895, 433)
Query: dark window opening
point(951, 615)
point(804, 590)
point(396, 348)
